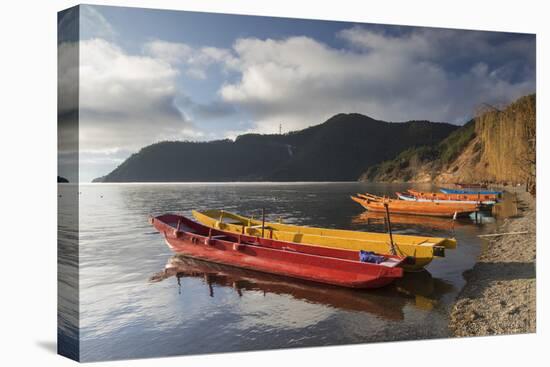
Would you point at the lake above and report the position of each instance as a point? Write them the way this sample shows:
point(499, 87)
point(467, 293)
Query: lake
point(129, 310)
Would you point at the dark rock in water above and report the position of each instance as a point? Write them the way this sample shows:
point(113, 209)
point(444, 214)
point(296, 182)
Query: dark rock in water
point(62, 180)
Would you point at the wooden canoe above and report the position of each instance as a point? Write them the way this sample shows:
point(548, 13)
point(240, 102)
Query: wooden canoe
point(471, 192)
point(422, 248)
point(408, 197)
point(330, 266)
point(487, 199)
point(437, 209)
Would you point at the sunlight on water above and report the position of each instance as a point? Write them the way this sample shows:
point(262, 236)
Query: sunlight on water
point(131, 307)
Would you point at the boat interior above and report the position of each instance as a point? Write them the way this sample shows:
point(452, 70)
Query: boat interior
point(186, 225)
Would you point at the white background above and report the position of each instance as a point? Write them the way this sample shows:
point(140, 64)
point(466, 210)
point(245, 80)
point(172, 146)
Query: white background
point(28, 197)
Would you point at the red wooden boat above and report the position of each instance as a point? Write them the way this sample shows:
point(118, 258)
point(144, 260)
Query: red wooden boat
point(319, 264)
point(378, 204)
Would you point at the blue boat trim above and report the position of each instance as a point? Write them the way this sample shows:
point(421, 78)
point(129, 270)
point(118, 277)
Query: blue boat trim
point(481, 192)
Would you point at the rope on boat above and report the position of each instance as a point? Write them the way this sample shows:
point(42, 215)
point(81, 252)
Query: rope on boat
point(392, 244)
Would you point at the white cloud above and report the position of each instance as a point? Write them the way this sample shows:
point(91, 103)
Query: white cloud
point(129, 100)
point(194, 61)
point(300, 82)
point(126, 100)
point(169, 51)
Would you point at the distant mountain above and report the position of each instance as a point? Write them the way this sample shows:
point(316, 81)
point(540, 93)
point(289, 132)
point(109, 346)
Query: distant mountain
point(62, 180)
point(340, 149)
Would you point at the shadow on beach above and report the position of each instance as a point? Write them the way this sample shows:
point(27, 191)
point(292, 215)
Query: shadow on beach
point(488, 273)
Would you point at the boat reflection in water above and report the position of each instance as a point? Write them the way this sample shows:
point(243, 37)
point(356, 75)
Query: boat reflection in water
point(425, 289)
point(242, 280)
point(419, 288)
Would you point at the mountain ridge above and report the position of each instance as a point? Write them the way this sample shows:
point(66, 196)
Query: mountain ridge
point(339, 149)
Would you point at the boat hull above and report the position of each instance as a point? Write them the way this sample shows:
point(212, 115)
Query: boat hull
point(227, 249)
point(470, 192)
point(416, 208)
point(437, 199)
point(422, 248)
point(487, 199)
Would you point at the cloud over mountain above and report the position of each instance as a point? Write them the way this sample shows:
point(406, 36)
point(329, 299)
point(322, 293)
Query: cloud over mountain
point(299, 81)
point(144, 82)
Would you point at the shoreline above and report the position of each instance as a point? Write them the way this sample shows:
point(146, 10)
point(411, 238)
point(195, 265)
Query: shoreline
point(500, 292)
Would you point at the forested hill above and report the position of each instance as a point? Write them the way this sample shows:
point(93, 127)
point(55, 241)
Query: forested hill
point(340, 149)
point(498, 145)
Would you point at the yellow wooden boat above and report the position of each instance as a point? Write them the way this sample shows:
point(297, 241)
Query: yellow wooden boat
point(422, 248)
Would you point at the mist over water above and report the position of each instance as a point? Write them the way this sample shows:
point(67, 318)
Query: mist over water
point(199, 307)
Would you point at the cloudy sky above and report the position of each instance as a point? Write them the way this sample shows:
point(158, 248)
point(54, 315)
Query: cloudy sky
point(152, 75)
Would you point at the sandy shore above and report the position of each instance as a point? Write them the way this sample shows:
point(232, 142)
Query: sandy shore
point(499, 296)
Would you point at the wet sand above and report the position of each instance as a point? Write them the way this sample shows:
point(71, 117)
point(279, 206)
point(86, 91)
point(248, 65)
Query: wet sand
point(500, 293)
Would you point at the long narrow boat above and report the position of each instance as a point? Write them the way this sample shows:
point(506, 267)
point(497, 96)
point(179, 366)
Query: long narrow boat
point(322, 265)
point(422, 248)
point(402, 196)
point(470, 192)
point(483, 205)
point(487, 199)
point(378, 204)
point(465, 185)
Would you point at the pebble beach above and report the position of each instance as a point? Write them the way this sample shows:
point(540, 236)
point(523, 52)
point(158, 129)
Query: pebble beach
point(500, 294)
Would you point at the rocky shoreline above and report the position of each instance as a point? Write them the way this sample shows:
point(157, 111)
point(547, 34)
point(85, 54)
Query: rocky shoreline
point(500, 292)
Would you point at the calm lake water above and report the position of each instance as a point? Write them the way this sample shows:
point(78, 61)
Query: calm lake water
point(208, 308)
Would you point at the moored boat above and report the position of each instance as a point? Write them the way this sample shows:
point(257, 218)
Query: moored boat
point(331, 266)
point(422, 248)
point(470, 192)
point(465, 185)
point(439, 209)
point(405, 197)
point(455, 198)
